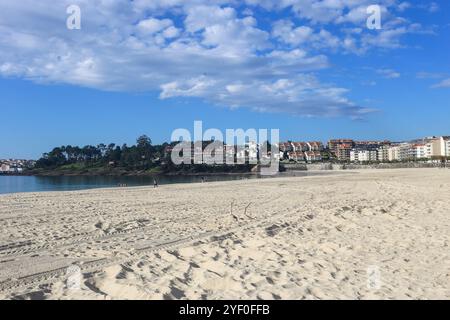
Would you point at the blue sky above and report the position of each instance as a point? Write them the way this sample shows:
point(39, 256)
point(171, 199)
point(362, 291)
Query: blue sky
point(311, 68)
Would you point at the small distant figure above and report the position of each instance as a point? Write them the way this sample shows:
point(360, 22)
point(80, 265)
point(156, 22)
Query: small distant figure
point(203, 179)
point(155, 183)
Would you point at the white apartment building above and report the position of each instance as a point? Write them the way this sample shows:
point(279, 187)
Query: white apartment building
point(406, 151)
point(312, 156)
point(429, 149)
point(285, 147)
point(433, 147)
point(315, 146)
point(437, 147)
point(363, 155)
point(296, 156)
point(447, 147)
point(383, 153)
point(300, 146)
point(394, 153)
point(4, 168)
point(440, 147)
point(420, 151)
point(401, 152)
point(353, 155)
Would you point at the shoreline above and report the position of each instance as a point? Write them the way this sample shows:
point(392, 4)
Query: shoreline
point(49, 174)
point(149, 184)
point(122, 174)
point(287, 167)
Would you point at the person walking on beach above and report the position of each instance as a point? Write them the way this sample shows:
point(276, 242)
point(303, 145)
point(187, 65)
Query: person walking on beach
point(155, 183)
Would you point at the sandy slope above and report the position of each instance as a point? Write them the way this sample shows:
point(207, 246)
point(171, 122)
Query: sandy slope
point(290, 238)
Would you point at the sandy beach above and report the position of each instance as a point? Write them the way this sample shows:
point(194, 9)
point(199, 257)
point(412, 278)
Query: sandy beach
point(369, 234)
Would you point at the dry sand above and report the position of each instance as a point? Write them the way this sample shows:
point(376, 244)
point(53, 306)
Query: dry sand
point(381, 234)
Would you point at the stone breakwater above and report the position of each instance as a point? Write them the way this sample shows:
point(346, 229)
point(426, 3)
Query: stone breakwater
point(352, 166)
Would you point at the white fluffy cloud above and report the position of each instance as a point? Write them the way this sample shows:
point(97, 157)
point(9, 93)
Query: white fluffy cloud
point(443, 84)
point(388, 73)
point(215, 50)
point(152, 25)
point(203, 16)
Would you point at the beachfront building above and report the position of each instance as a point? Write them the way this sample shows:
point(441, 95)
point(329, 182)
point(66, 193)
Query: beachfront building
point(354, 155)
point(286, 147)
point(296, 156)
point(369, 145)
point(295, 150)
point(447, 147)
point(370, 151)
point(401, 152)
point(4, 168)
point(341, 148)
point(343, 151)
point(313, 156)
point(438, 146)
point(15, 165)
point(383, 153)
point(406, 151)
point(315, 146)
point(300, 146)
point(394, 153)
point(334, 144)
point(15, 169)
point(420, 151)
point(363, 155)
point(429, 149)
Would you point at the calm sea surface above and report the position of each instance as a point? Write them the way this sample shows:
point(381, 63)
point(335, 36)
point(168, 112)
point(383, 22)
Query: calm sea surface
point(14, 184)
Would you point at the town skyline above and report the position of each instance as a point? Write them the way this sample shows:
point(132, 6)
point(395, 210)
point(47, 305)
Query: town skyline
point(325, 144)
